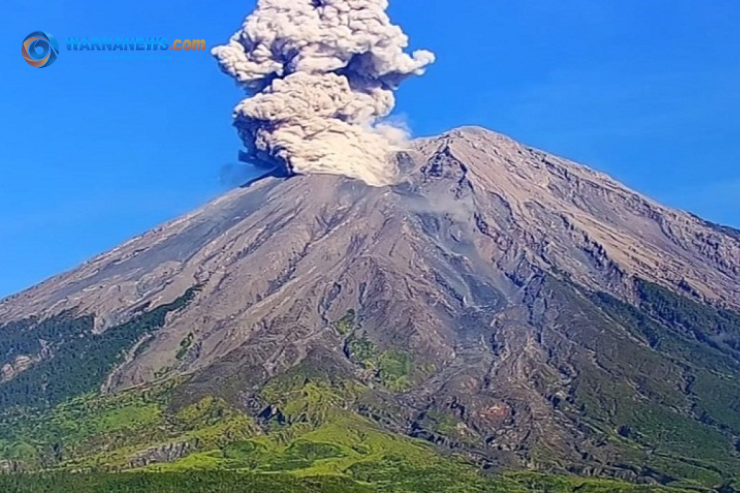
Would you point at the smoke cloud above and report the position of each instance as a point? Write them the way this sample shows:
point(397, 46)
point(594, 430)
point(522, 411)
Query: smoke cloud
point(320, 77)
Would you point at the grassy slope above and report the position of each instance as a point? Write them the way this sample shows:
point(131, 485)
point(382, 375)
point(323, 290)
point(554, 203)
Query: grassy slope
point(317, 446)
point(70, 357)
point(667, 406)
point(235, 482)
point(677, 402)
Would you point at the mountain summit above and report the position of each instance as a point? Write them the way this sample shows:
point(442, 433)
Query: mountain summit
point(508, 306)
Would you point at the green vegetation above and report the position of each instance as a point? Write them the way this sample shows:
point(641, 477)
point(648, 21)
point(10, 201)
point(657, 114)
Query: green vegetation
point(441, 423)
point(78, 359)
point(407, 481)
point(347, 323)
point(668, 406)
point(716, 328)
point(363, 352)
point(186, 482)
point(185, 346)
point(679, 397)
point(106, 431)
point(533, 482)
point(392, 368)
point(311, 441)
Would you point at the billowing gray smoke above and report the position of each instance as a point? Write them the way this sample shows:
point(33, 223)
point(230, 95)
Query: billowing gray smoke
point(320, 76)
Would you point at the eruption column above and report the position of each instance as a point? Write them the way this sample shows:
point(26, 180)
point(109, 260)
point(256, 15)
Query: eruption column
point(320, 77)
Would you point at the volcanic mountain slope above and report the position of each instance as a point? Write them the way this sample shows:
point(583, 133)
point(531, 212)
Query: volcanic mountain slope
point(504, 304)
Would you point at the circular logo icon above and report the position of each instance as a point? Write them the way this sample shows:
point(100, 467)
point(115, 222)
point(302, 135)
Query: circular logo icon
point(40, 49)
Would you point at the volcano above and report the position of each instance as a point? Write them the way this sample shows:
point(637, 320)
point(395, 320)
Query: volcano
point(498, 306)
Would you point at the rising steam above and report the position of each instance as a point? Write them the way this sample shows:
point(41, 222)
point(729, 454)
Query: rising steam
point(320, 76)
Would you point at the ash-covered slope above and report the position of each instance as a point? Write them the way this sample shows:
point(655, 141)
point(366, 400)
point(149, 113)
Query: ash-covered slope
point(515, 203)
point(499, 301)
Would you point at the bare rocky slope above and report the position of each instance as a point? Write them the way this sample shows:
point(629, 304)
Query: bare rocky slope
point(535, 313)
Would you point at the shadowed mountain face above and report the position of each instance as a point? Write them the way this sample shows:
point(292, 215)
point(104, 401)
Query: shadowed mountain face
point(500, 302)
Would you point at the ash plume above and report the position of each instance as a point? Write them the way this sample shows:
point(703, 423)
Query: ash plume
point(320, 77)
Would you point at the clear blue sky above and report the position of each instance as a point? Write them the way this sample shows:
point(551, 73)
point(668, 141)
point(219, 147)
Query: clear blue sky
point(95, 151)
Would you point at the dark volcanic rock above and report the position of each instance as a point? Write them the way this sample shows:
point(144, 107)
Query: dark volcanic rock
point(161, 454)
